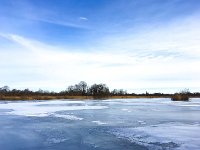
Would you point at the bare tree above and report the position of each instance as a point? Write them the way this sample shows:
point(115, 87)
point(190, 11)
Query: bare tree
point(83, 87)
point(5, 88)
point(99, 90)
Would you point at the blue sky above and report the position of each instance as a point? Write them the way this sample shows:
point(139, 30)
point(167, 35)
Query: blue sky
point(137, 45)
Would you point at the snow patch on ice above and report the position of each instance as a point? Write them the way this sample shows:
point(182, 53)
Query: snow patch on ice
point(37, 109)
point(55, 140)
point(163, 136)
point(99, 122)
point(191, 105)
point(141, 122)
point(69, 117)
point(127, 110)
point(124, 109)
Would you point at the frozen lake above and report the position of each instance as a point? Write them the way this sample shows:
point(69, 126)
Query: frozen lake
point(131, 124)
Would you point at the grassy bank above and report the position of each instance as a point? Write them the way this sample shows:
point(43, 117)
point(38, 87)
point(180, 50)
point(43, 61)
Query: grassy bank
point(72, 97)
point(43, 97)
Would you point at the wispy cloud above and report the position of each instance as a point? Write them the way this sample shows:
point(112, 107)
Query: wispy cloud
point(60, 22)
point(50, 66)
point(83, 18)
point(178, 39)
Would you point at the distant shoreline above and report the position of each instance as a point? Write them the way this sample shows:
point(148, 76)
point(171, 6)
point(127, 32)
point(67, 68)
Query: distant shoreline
point(82, 91)
point(13, 98)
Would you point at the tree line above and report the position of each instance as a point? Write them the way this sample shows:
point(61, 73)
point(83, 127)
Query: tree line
point(82, 89)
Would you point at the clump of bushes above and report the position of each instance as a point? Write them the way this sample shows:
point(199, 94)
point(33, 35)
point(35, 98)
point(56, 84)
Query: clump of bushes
point(181, 96)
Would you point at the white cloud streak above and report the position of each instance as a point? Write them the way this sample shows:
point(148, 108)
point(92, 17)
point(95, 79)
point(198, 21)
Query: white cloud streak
point(83, 18)
point(177, 38)
point(63, 22)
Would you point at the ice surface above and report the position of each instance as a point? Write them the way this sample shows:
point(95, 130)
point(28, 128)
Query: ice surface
point(154, 124)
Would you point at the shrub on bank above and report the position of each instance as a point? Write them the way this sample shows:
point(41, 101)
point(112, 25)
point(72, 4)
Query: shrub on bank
point(181, 96)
